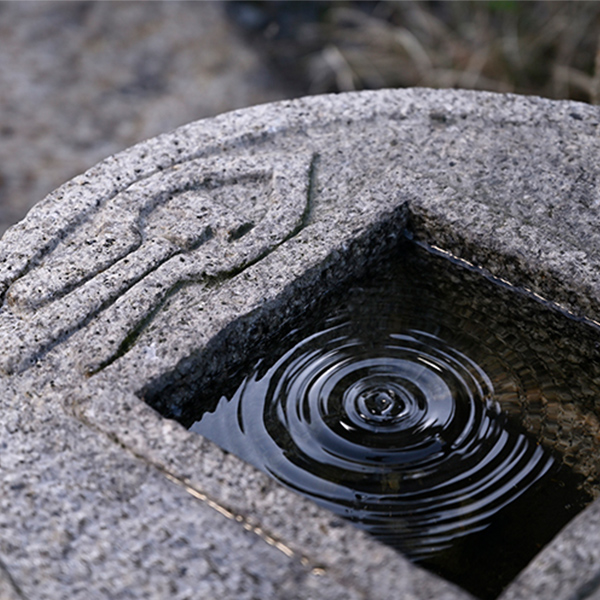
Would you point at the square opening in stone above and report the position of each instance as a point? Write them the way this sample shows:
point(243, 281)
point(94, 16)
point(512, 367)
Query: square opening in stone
point(451, 417)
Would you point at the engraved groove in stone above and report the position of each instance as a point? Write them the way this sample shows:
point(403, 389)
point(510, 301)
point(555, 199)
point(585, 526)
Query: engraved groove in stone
point(60, 228)
point(53, 322)
point(185, 231)
point(287, 215)
point(167, 205)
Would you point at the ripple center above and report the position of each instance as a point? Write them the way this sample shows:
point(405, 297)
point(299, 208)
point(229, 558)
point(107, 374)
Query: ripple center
point(381, 404)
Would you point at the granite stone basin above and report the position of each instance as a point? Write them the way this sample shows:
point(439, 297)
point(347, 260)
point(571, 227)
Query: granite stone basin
point(155, 273)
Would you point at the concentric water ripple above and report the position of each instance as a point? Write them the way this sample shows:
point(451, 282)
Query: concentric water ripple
point(430, 407)
point(402, 436)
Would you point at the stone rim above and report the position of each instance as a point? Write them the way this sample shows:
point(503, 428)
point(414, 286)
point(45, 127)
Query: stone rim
point(109, 400)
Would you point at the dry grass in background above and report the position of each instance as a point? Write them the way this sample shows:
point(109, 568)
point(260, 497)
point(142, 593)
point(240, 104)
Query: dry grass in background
point(547, 48)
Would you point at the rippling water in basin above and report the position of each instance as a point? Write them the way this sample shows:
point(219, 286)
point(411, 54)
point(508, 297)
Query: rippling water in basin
point(396, 408)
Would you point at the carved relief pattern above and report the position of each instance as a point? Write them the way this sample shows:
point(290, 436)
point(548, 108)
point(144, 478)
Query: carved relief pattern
point(200, 221)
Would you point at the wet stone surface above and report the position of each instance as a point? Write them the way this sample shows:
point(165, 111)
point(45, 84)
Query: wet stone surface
point(165, 269)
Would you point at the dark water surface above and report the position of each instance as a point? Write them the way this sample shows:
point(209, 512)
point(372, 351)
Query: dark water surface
point(431, 408)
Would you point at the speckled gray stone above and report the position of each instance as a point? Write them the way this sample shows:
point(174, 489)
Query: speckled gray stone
point(154, 273)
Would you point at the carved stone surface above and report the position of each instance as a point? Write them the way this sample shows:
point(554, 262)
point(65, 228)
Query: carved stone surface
point(196, 222)
point(162, 268)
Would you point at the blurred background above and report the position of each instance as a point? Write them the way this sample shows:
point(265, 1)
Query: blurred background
point(82, 80)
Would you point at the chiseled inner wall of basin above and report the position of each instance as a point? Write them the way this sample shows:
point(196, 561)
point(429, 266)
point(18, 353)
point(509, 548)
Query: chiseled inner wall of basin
point(164, 267)
point(402, 404)
point(545, 367)
point(490, 343)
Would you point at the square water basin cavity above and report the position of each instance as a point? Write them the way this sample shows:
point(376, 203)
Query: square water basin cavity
point(451, 417)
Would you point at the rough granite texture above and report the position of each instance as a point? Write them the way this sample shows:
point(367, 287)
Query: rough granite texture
point(157, 271)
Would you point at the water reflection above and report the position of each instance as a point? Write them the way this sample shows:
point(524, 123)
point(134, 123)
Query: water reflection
point(428, 406)
point(401, 436)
